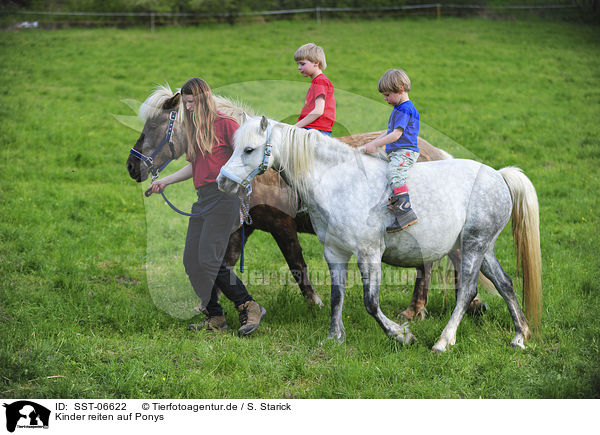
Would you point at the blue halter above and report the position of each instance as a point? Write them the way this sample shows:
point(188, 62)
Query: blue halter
point(149, 160)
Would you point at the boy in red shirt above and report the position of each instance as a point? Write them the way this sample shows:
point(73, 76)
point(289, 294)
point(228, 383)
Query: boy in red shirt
point(318, 112)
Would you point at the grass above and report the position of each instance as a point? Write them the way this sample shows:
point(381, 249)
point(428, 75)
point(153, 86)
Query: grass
point(83, 255)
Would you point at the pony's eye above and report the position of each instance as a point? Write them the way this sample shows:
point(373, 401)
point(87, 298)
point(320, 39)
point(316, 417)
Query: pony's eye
point(248, 150)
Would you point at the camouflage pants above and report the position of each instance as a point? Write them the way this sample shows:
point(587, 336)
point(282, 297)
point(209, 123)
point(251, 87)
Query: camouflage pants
point(400, 162)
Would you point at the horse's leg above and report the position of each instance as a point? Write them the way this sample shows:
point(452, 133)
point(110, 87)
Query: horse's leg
point(338, 268)
point(476, 307)
point(420, 294)
point(283, 229)
point(472, 257)
point(234, 247)
point(370, 269)
point(491, 269)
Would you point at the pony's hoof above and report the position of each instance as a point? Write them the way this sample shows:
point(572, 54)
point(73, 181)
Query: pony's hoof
point(316, 301)
point(477, 308)
point(411, 314)
point(438, 348)
point(518, 342)
point(403, 334)
point(408, 314)
point(339, 336)
point(409, 338)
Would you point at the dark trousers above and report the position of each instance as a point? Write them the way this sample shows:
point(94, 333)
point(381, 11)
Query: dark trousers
point(205, 246)
point(231, 286)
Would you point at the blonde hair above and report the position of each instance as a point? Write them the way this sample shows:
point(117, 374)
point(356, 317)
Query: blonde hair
point(393, 80)
point(312, 53)
point(199, 123)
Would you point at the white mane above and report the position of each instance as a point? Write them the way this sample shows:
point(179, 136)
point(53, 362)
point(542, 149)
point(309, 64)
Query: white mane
point(296, 152)
point(153, 106)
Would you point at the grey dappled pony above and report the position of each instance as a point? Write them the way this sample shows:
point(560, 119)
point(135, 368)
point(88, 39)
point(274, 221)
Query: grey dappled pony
point(461, 204)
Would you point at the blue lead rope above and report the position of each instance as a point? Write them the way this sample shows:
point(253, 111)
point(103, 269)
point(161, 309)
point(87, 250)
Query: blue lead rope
point(242, 255)
point(244, 219)
point(170, 204)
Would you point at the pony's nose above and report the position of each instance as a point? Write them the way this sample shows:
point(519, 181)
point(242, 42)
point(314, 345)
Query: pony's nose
point(133, 168)
point(225, 184)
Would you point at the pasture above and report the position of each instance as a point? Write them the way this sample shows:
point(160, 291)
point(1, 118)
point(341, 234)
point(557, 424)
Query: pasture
point(89, 266)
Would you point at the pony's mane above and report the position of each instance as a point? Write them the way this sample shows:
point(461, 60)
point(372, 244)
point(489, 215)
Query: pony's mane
point(297, 153)
point(235, 109)
point(153, 106)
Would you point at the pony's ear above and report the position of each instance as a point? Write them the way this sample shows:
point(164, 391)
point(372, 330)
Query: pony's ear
point(264, 123)
point(244, 117)
point(172, 102)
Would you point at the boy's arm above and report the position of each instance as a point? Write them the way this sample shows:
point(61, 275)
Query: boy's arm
point(313, 114)
point(372, 146)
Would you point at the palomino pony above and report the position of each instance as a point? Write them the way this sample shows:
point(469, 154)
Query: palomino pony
point(273, 206)
point(461, 204)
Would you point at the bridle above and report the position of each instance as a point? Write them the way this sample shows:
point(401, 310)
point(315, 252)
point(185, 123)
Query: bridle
point(149, 160)
point(262, 167)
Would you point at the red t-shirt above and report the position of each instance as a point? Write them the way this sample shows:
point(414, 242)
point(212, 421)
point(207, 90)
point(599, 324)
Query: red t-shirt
point(206, 167)
point(320, 85)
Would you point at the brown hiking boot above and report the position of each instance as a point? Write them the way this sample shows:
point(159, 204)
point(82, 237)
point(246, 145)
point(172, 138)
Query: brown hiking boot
point(250, 316)
point(214, 323)
point(403, 213)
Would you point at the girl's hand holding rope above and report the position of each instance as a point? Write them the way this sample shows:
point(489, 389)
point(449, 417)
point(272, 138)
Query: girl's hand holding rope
point(155, 187)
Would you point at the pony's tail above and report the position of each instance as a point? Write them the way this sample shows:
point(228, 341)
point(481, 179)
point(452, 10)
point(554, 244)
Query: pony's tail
point(526, 234)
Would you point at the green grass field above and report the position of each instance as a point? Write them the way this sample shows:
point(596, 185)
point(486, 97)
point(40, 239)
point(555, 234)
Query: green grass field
point(83, 254)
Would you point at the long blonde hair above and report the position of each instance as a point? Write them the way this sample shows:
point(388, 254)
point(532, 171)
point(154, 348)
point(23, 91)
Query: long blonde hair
point(199, 123)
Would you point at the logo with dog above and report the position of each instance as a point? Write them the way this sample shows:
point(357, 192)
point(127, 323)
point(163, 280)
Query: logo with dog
point(25, 414)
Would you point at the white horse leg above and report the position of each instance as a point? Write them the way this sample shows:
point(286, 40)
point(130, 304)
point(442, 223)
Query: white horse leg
point(493, 271)
point(467, 290)
point(338, 268)
point(371, 276)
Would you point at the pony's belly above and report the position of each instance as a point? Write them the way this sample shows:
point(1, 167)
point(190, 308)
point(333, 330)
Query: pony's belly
point(413, 256)
point(420, 244)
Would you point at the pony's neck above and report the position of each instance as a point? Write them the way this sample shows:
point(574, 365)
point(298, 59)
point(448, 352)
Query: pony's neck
point(303, 154)
point(180, 139)
point(323, 149)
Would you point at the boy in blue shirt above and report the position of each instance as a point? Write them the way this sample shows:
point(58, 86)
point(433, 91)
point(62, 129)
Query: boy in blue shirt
point(401, 144)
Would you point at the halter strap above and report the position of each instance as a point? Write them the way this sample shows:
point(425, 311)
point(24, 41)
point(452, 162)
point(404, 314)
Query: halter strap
point(149, 160)
point(262, 167)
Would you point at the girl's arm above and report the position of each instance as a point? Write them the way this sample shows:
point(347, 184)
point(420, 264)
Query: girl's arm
point(372, 146)
point(314, 114)
point(181, 175)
